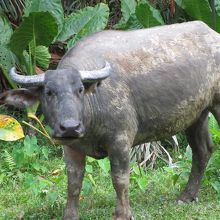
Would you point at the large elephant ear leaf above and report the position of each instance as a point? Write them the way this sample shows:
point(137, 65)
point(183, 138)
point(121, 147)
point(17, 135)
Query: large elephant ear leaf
point(128, 11)
point(217, 7)
point(38, 26)
point(6, 31)
point(84, 22)
point(42, 55)
point(201, 10)
point(10, 129)
point(7, 60)
point(53, 6)
point(148, 16)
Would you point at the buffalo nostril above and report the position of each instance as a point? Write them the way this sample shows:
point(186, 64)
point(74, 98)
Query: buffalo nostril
point(69, 125)
point(62, 128)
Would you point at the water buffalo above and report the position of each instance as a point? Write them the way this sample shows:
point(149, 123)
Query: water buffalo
point(159, 81)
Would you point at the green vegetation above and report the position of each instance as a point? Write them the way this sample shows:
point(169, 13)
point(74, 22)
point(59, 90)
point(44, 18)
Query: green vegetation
point(32, 173)
point(33, 186)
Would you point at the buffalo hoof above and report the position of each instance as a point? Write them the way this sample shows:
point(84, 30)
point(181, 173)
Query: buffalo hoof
point(122, 218)
point(184, 199)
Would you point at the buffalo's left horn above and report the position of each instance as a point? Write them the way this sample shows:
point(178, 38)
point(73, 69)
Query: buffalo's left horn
point(96, 75)
point(22, 80)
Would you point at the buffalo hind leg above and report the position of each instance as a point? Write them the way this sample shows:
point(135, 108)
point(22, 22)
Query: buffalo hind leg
point(199, 140)
point(75, 163)
point(119, 160)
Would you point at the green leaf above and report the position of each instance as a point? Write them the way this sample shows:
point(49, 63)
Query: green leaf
point(40, 26)
point(136, 169)
point(104, 165)
point(84, 22)
point(188, 153)
point(30, 145)
point(213, 124)
point(89, 168)
point(42, 56)
point(7, 61)
point(36, 166)
point(52, 197)
point(92, 179)
point(175, 177)
point(10, 129)
point(201, 10)
point(45, 151)
point(19, 157)
point(127, 8)
point(2, 178)
point(216, 186)
point(142, 182)
point(90, 159)
point(148, 16)
point(132, 24)
point(6, 31)
point(180, 3)
point(217, 6)
point(52, 6)
point(139, 16)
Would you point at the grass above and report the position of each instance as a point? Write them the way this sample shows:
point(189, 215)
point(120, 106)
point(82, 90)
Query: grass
point(20, 200)
point(37, 189)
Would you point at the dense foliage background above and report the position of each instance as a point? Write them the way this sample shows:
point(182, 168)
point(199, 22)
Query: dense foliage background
point(34, 35)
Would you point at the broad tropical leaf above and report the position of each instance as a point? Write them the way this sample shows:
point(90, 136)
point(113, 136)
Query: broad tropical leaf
point(7, 60)
point(38, 26)
point(10, 129)
point(217, 6)
point(201, 10)
point(148, 16)
point(52, 6)
point(41, 54)
point(128, 10)
point(84, 22)
point(132, 24)
point(140, 16)
point(6, 31)
point(180, 3)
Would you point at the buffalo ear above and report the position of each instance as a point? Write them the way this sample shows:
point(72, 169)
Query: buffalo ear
point(19, 98)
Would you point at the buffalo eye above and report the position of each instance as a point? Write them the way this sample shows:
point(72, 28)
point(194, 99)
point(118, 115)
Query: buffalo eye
point(81, 89)
point(49, 93)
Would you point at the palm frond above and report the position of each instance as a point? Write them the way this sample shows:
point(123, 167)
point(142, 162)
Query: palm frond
point(13, 8)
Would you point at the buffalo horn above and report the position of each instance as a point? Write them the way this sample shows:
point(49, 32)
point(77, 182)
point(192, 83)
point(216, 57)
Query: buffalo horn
point(35, 80)
point(96, 75)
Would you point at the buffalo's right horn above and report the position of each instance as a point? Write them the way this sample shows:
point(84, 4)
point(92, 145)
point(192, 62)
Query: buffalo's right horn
point(22, 80)
point(96, 75)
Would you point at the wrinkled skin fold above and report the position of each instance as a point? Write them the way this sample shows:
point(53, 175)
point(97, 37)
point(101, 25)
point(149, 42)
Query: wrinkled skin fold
point(161, 81)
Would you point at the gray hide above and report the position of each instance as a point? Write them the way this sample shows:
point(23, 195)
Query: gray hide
point(163, 80)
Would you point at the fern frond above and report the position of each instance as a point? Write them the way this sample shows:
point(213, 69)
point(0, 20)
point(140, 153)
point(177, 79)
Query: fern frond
point(8, 161)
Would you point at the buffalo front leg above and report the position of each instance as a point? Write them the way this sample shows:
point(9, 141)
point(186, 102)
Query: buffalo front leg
point(199, 140)
point(119, 160)
point(75, 163)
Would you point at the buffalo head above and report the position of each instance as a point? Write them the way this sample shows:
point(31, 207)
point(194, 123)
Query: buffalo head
point(61, 94)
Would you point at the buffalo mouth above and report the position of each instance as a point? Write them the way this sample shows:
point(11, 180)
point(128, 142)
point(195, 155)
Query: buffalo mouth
point(66, 139)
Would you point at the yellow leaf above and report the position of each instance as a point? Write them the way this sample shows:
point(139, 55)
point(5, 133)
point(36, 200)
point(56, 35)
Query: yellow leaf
point(10, 129)
point(56, 172)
